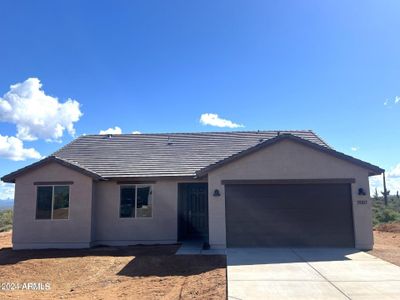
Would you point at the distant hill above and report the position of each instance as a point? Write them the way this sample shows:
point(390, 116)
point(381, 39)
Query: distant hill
point(4, 204)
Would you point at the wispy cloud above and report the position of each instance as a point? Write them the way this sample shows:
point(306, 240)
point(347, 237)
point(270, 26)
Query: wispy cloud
point(37, 115)
point(136, 132)
point(6, 191)
point(115, 130)
point(215, 120)
point(389, 102)
point(354, 148)
point(394, 172)
point(392, 181)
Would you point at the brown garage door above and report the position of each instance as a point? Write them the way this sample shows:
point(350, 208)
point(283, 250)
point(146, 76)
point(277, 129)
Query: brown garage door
point(311, 215)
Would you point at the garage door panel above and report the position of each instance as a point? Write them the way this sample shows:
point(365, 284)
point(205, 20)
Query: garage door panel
point(289, 215)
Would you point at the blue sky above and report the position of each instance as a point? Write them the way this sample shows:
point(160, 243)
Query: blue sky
point(157, 66)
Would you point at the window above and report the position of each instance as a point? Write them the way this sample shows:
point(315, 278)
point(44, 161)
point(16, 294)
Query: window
point(52, 202)
point(136, 201)
point(127, 207)
point(43, 202)
point(144, 201)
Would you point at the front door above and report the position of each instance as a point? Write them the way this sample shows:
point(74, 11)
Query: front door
point(193, 211)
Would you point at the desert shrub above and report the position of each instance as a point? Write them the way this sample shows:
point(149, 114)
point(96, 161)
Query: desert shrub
point(386, 214)
point(6, 217)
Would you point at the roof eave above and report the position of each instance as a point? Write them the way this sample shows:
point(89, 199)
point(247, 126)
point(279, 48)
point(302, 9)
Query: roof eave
point(374, 170)
point(10, 178)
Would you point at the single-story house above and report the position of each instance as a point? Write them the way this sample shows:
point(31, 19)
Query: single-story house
point(230, 189)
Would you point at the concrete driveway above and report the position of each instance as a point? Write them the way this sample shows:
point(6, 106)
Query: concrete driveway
point(272, 273)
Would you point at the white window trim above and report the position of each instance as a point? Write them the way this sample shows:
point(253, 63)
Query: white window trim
point(52, 201)
point(135, 217)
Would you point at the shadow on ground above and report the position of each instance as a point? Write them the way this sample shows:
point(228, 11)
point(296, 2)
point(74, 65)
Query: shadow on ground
point(255, 256)
point(8, 256)
point(176, 265)
point(147, 260)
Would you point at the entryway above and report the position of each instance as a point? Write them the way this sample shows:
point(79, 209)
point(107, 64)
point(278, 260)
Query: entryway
point(193, 212)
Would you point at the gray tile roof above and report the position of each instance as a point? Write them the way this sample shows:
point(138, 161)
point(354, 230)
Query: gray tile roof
point(154, 155)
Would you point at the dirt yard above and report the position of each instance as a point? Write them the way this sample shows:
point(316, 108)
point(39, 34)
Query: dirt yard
point(145, 272)
point(387, 243)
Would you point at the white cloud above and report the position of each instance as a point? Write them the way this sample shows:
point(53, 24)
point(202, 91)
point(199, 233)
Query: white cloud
point(215, 120)
point(389, 102)
point(13, 148)
point(354, 149)
point(115, 130)
point(394, 172)
point(36, 114)
point(6, 191)
point(136, 132)
point(392, 181)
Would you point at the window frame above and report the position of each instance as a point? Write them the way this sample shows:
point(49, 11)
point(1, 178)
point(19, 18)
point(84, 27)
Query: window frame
point(134, 185)
point(52, 201)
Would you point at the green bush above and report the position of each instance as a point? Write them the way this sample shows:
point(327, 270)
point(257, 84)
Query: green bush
point(6, 217)
point(386, 214)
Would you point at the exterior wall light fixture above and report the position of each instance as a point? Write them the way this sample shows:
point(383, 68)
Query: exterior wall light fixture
point(361, 192)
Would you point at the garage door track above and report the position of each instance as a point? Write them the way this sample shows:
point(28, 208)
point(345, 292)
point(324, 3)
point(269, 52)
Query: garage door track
point(272, 273)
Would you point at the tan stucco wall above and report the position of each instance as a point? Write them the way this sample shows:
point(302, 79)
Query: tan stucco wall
point(93, 213)
point(94, 206)
point(290, 160)
point(112, 230)
point(73, 232)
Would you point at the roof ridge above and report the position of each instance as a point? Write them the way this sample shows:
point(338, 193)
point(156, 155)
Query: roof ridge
point(201, 132)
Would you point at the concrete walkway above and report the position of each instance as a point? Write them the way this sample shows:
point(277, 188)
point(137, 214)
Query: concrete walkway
point(196, 248)
point(261, 273)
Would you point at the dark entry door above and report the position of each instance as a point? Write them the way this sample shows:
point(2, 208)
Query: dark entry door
point(308, 215)
point(193, 211)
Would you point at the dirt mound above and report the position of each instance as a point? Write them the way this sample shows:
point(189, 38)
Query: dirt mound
point(389, 227)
